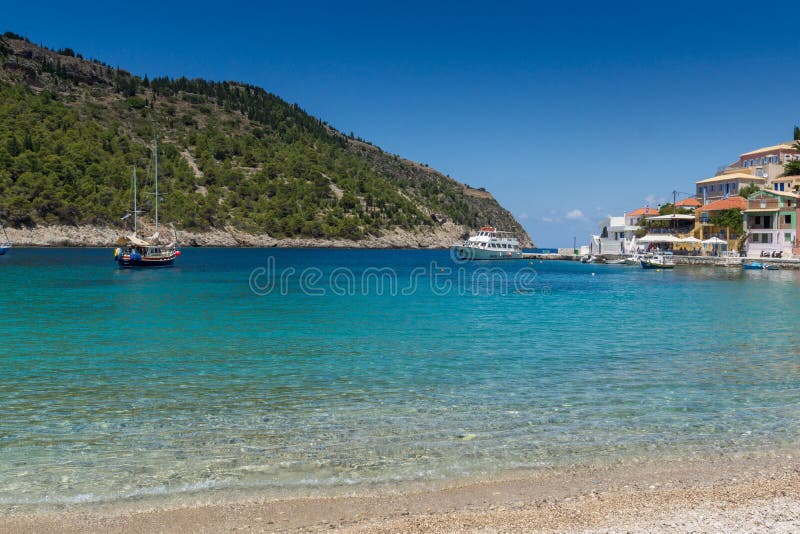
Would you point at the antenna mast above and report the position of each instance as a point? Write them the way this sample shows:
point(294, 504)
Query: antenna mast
point(155, 146)
point(134, 200)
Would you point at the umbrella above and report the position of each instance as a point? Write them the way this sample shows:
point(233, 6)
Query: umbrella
point(691, 240)
point(715, 241)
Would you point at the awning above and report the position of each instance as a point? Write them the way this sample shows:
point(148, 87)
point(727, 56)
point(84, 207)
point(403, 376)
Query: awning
point(672, 217)
point(655, 238)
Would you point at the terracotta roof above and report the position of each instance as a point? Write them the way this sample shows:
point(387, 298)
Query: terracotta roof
point(726, 204)
point(783, 147)
point(690, 202)
point(734, 176)
point(642, 211)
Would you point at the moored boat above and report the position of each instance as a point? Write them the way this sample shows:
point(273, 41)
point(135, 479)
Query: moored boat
point(136, 252)
point(489, 244)
point(656, 261)
point(753, 265)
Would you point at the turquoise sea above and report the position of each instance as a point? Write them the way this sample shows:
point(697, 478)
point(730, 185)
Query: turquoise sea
point(360, 368)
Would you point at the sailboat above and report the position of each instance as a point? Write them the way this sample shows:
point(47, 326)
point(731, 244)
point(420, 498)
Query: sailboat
point(5, 246)
point(134, 251)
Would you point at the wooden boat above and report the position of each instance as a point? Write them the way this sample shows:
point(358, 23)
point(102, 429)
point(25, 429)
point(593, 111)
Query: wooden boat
point(134, 251)
point(755, 265)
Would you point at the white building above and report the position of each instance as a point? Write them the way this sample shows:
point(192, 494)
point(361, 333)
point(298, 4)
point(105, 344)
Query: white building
point(615, 237)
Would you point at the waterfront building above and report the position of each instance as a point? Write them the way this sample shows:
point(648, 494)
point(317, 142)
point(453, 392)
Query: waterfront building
point(770, 221)
point(706, 229)
point(678, 224)
point(615, 237)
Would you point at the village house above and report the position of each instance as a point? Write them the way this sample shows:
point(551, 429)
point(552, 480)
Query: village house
point(706, 229)
point(727, 184)
point(769, 161)
point(634, 218)
point(770, 221)
point(690, 204)
point(615, 237)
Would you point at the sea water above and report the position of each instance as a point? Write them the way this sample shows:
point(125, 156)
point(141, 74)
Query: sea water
point(309, 370)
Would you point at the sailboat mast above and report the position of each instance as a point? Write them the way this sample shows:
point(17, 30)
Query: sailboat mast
point(155, 145)
point(134, 200)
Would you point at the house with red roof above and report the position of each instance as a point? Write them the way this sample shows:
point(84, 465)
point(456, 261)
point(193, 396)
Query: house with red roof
point(706, 229)
point(633, 218)
point(690, 203)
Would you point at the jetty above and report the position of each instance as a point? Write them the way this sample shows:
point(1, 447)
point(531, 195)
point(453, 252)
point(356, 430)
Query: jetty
point(697, 261)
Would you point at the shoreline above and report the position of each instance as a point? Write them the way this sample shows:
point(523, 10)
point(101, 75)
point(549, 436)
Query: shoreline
point(443, 235)
point(745, 491)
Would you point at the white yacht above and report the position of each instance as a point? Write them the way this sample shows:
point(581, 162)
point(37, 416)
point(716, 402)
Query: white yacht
point(489, 244)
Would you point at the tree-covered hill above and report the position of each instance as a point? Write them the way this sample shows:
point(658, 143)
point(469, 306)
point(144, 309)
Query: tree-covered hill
point(230, 156)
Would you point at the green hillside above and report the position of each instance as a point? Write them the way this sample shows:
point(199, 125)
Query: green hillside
point(230, 155)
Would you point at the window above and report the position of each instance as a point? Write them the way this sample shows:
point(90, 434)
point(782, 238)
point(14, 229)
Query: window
point(767, 221)
point(787, 238)
point(757, 221)
point(781, 186)
point(787, 219)
point(775, 187)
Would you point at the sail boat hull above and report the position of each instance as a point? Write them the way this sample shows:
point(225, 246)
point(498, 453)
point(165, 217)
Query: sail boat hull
point(136, 260)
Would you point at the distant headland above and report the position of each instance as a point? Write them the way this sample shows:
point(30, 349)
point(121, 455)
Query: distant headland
point(239, 166)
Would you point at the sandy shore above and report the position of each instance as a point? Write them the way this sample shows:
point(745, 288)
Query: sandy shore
point(747, 493)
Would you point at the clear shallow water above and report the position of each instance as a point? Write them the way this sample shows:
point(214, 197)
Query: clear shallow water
point(118, 384)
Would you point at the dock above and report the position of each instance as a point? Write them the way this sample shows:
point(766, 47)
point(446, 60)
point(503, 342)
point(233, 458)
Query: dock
point(696, 261)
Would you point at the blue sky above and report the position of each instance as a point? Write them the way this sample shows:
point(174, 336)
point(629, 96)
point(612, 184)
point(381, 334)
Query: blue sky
point(565, 111)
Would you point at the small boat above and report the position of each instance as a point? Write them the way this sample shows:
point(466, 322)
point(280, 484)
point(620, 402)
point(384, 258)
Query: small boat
point(622, 261)
point(772, 267)
point(136, 252)
point(588, 259)
point(6, 245)
point(756, 265)
point(489, 244)
point(656, 262)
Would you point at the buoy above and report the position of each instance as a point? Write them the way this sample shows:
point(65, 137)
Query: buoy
point(177, 253)
point(593, 274)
